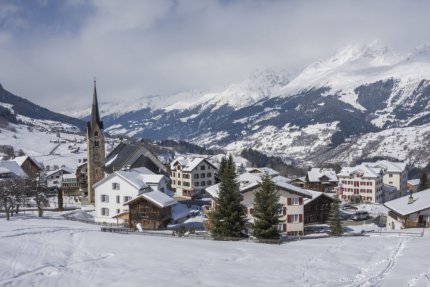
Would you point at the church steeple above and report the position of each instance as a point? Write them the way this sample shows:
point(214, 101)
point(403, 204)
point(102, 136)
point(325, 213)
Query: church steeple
point(95, 115)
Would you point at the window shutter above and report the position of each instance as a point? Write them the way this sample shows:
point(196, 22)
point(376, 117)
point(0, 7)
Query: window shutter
point(300, 217)
point(284, 227)
point(301, 200)
point(284, 210)
point(289, 201)
point(289, 219)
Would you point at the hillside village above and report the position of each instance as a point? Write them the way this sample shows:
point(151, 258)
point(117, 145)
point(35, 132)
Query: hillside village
point(122, 184)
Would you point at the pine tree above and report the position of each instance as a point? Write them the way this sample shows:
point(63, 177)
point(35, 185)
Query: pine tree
point(266, 210)
point(424, 184)
point(229, 218)
point(334, 220)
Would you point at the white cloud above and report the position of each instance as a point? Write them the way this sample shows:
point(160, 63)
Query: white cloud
point(161, 47)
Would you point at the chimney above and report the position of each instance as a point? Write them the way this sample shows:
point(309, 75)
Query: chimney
point(410, 199)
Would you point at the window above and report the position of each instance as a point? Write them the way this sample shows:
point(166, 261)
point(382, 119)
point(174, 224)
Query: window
point(96, 133)
point(179, 182)
point(186, 176)
point(202, 175)
point(118, 199)
point(174, 181)
point(203, 183)
point(209, 174)
point(197, 183)
point(196, 176)
point(186, 183)
point(104, 198)
point(57, 176)
point(390, 175)
point(390, 182)
point(96, 143)
point(105, 211)
point(115, 186)
point(209, 182)
point(295, 201)
point(127, 198)
point(202, 167)
point(179, 175)
point(294, 218)
point(118, 211)
point(173, 174)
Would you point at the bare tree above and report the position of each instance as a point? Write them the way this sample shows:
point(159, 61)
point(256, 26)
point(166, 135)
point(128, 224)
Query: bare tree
point(38, 190)
point(19, 191)
point(7, 199)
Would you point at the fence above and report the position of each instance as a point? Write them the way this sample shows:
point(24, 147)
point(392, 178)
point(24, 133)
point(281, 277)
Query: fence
point(92, 222)
point(398, 233)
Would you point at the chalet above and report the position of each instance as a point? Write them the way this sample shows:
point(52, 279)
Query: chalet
point(321, 179)
point(409, 211)
point(11, 169)
point(120, 187)
point(190, 176)
point(394, 174)
point(133, 156)
point(82, 176)
point(152, 210)
point(70, 185)
point(55, 177)
point(29, 165)
point(291, 199)
point(317, 208)
point(361, 183)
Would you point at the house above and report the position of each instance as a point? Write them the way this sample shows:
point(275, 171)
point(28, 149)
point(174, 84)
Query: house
point(11, 169)
point(409, 211)
point(317, 208)
point(190, 176)
point(361, 183)
point(153, 210)
point(29, 165)
point(395, 174)
point(82, 176)
point(70, 185)
point(413, 184)
point(321, 179)
point(261, 170)
point(133, 156)
point(120, 187)
point(55, 177)
point(291, 198)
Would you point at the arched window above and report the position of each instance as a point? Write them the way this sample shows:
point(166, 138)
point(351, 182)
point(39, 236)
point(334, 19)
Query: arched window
point(96, 143)
point(96, 133)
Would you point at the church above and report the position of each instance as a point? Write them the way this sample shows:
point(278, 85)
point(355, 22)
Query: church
point(123, 156)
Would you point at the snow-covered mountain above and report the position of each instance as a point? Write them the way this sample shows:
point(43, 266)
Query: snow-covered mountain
point(346, 106)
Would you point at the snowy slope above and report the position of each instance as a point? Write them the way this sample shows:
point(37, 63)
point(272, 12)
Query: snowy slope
point(44, 252)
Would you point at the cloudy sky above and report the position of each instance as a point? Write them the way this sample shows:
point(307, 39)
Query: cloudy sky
point(50, 50)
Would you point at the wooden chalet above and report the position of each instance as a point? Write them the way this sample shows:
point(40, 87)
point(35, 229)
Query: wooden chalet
point(317, 208)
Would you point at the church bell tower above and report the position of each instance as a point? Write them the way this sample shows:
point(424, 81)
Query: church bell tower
point(95, 147)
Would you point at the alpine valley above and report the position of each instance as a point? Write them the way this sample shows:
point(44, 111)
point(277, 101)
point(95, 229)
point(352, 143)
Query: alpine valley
point(364, 102)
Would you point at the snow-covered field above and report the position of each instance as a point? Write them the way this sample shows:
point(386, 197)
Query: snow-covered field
point(48, 252)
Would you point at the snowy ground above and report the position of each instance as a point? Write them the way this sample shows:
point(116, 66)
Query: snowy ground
point(47, 252)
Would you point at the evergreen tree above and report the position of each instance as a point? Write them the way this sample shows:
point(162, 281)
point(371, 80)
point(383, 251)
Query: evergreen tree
point(60, 199)
point(424, 184)
point(334, 220)
point(229, 218)
point(266, 210)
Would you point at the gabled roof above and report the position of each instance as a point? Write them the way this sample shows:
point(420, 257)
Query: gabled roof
point(138, 177)
point(21, 159)
point(57, 170)
point(421, 201)
point(315, 174)
point(157, 197)
point(414, 182)
point(189, 164)
point(364, 170)
point(262, 170)
point(11, 166)
point(388, 166)
point(248, 181)
point(317, 194)
point(123, 152)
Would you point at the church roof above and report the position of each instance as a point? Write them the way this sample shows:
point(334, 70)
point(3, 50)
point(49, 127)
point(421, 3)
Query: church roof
point(95, 114)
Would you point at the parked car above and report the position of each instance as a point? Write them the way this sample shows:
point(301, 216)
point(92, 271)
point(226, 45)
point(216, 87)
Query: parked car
point(348, 206)
point(360, 215)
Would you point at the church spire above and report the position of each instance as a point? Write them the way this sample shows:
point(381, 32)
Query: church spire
point(95, 116)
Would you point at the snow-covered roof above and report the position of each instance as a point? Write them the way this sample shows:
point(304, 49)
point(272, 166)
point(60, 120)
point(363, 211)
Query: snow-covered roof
point(12, 167)
point(364, 170)
point(138, 177)
point(189, 164)
point(249, 181)
point(21, 159)
point(262, 170)
point(414, 182)
point(316, 173)
point(69, 176)
point(316, 194)
point(159, 198)
point(388, 166)
point(65, 171)
point(421, 201)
